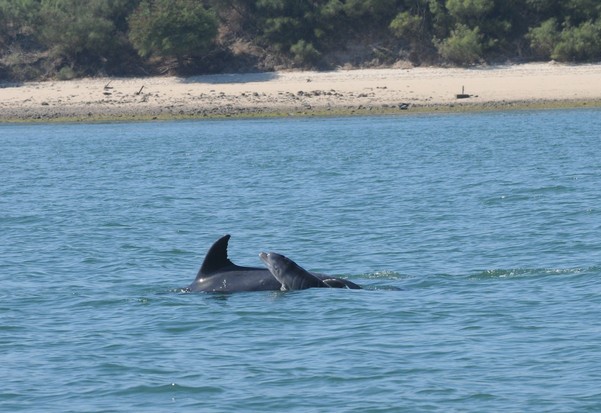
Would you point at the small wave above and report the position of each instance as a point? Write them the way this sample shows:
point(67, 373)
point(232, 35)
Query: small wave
point(382, 288)
point(530, 272)
point(526, 194)
point(385, 275)
point(21, 219)
point(551, 188)
point(114, 224)
point(172, 388)
point(380, 277)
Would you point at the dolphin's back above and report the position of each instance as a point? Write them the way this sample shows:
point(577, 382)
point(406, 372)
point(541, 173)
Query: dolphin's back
point(218, 274)
point(301, 280)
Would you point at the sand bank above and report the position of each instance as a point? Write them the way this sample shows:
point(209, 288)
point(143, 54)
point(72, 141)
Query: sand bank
point(305, 93)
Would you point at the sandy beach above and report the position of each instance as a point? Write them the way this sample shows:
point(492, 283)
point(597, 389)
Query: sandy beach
point(393, 90)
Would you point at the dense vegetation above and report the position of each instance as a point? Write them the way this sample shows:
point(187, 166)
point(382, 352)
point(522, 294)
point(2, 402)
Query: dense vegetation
point(70, 38)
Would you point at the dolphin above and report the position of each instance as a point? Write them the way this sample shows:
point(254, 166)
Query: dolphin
point(218, 274)
point(294, 277)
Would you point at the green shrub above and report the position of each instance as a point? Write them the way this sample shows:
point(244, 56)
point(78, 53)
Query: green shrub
point(543, 39)
point(462, 47)
point(66, 73)
point(582, 43)
point(304, 53)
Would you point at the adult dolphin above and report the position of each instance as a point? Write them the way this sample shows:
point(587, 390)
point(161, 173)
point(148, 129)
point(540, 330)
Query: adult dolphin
point(294, 277)
point(218, 274)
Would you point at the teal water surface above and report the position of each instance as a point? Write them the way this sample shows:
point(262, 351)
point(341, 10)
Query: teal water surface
point(476, 237)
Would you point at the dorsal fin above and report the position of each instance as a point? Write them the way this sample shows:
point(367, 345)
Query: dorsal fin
point(216, 257)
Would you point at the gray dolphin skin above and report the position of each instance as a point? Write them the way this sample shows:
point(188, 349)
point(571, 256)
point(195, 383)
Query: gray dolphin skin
point(294, 277)
point(291, 275)
point(218, 274)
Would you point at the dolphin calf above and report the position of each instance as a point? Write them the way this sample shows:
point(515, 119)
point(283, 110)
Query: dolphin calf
point(218, 274)
point(294, 277)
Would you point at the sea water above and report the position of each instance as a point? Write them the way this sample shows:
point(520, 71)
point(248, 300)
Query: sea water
point(477, 238)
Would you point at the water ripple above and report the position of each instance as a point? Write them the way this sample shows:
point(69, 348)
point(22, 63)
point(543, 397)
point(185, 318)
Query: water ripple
point(477, 246)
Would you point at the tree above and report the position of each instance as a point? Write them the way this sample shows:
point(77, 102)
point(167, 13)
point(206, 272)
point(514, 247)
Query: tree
point(441, 21)
point(283, 23)
point(172, 28)
point(376, 9)
point(79, 34)
point(17, 17)
point(466, 11)
point(406, 24)
point(580, 11)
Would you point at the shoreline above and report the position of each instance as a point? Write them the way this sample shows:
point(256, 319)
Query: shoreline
point(124, 116)
point(301, 94)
